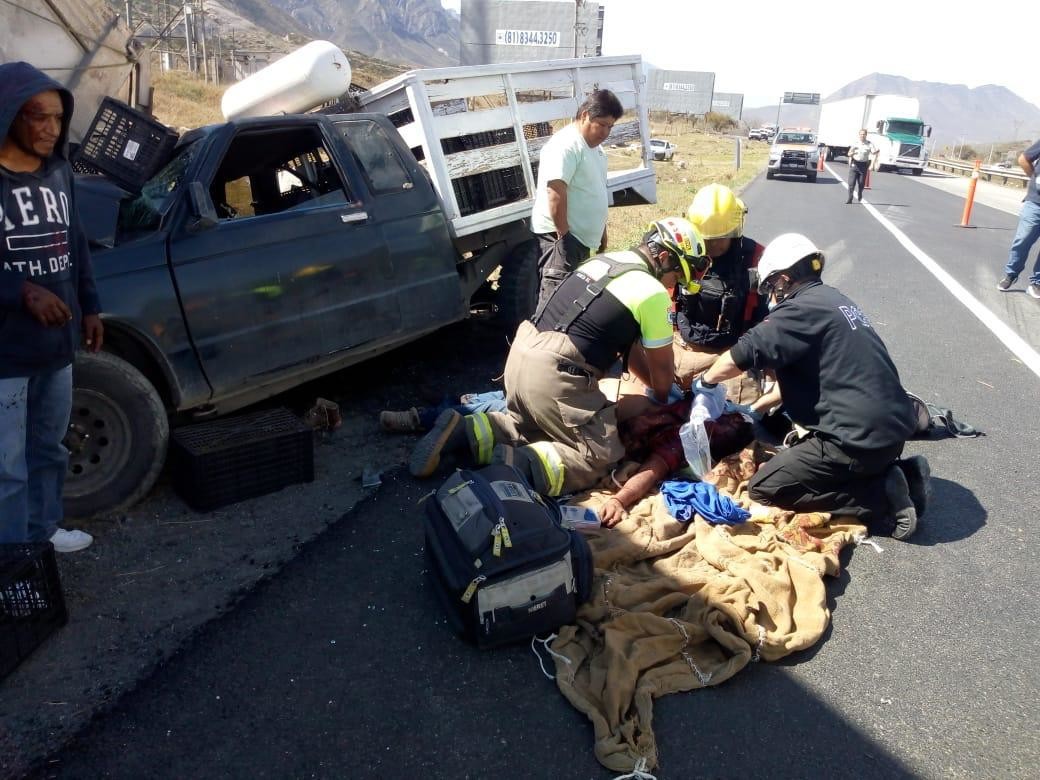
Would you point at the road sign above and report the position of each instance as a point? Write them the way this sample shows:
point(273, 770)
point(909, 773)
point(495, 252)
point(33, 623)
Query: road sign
point(805, 98)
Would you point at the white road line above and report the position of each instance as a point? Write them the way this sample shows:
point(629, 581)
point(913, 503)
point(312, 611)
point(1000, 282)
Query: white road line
point(1019, 348)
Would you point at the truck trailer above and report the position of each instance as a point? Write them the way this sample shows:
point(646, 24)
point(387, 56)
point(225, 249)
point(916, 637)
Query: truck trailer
point(893, 125)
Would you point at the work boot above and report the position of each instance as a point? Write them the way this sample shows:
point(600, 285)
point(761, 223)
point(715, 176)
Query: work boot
point(900, 504)
point(400, 422)
point(447, 435)
point(918, 477)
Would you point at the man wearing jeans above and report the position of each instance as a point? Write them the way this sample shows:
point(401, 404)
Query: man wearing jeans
point(569, 215)
point(1028, 228)
point(47, 299)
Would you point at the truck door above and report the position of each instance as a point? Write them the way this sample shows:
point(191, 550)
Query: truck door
point(292, 246)
point(407, 211)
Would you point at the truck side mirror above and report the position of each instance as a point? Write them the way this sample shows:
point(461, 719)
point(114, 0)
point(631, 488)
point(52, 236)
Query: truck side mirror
point(202, 210)
point(881, 126)
point(927, 131)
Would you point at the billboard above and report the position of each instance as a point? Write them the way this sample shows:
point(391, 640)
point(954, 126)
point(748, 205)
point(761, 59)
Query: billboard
point(729, 103)
point(680, 91)
point(495, 31)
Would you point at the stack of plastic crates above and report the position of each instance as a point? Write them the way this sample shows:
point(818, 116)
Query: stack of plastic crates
point(492, 188)
point(32, 604)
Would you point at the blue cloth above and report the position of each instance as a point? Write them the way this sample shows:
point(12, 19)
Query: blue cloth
point(34, 417)
point(682, 499)
point(1027, 234)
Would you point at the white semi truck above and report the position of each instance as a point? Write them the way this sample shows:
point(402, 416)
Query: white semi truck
point(893, 125)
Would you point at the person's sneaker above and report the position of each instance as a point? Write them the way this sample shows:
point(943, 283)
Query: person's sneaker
point(400, 422)
point(448, 434)
point(1034, 290)
point(71, 541)
point(1005, 284)
point(918, 477)
point(900, 504)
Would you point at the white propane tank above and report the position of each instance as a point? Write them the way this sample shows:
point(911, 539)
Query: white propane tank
point(309, 76)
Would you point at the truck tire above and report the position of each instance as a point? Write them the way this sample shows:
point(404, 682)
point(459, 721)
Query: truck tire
point(769, 174)
point(518, 285)
point(811, 177)
point(917, 171)
point(117, 436)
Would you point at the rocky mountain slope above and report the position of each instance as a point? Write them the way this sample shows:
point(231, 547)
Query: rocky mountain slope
point(413, 32)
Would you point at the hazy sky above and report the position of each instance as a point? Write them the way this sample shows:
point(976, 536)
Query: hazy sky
point(740, 41)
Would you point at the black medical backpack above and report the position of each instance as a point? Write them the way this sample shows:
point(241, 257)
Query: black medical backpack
point(502, 565)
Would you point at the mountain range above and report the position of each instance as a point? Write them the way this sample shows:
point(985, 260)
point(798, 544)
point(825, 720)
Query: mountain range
point(957, 113)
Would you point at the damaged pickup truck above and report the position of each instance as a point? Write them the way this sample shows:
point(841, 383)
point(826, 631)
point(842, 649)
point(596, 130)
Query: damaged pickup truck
point(270, 251)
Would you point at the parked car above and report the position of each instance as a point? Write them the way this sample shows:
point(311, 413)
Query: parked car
point(1004, 164)
point(661, 149)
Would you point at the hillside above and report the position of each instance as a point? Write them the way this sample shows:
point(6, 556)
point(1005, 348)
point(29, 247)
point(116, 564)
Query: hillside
point(979, 115)
point(415, 32)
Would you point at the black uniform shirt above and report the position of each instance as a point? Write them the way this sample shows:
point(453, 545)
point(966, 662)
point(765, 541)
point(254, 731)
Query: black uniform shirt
point(834, 371)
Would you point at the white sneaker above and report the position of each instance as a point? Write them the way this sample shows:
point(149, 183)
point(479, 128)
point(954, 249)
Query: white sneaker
point(71, 541)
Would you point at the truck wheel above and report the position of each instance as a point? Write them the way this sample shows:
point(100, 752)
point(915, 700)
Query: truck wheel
point(518, 285)
point(917, 171)
point(769, 174)
point(812, 177)
point(117, 436)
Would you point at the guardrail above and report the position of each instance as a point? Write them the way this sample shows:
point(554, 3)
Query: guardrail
point(987, 172)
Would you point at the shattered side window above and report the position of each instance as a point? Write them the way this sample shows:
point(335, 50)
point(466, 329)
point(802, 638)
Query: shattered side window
point(376, 156)
point(145, 212)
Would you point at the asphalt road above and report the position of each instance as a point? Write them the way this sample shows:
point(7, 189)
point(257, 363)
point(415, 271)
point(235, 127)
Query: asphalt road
point(341, 666)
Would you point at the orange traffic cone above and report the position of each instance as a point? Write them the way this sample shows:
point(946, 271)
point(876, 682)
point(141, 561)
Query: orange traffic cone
point(819, 161)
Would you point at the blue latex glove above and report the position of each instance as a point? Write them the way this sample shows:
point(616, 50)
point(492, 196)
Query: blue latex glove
point(731, 408)
point(674, 394)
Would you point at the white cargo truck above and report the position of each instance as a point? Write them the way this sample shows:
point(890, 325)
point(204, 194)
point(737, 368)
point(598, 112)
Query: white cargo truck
point(893, 125)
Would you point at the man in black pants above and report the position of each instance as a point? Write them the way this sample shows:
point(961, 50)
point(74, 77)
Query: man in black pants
point(839, 383)
point(861, 154)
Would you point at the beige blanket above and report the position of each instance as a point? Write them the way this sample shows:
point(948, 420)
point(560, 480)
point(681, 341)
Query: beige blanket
point(677, 607)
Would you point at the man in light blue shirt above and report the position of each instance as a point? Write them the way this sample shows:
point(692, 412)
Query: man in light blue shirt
point(570, 206)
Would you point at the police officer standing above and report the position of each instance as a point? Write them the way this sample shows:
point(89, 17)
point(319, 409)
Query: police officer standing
point(840, 384)
point(861, 154)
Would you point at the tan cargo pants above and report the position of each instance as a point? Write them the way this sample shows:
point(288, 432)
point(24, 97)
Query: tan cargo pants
point(552, 396)
point(691, 361)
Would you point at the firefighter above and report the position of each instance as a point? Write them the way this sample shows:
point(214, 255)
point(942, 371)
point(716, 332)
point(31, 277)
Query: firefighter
point(709, 320)
point(559, 428)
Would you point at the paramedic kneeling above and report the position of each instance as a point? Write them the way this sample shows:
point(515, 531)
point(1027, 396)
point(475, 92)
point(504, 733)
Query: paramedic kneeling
point(559, 428)
point(839, 383)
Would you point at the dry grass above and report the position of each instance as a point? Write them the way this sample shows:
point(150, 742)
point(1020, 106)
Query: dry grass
point(183, 101)
point(708, 158)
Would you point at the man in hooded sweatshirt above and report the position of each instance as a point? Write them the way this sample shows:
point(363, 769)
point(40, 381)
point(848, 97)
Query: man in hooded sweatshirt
point(48, 302)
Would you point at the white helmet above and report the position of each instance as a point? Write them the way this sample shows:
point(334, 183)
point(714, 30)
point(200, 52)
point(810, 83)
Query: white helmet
point(784, 252)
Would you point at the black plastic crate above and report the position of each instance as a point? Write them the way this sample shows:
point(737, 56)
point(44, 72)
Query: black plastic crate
point(32, 605)
point(125, 145)
point(221, 462)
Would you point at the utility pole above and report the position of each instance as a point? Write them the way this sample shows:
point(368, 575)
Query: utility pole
point(205, 57)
